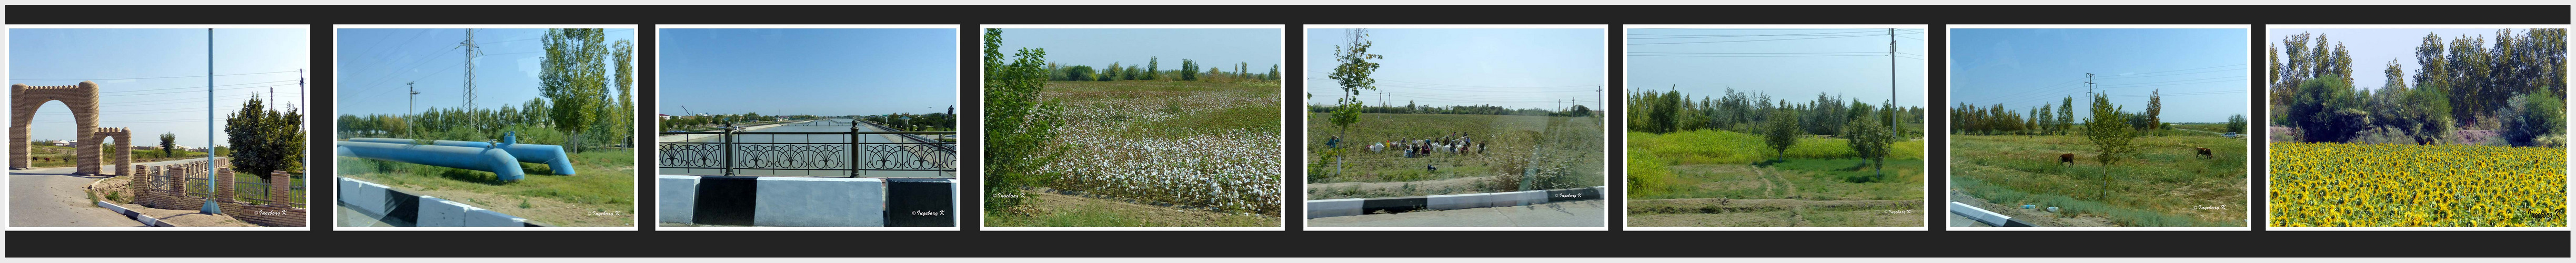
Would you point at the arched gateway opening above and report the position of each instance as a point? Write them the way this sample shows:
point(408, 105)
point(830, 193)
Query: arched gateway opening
point(83, 101)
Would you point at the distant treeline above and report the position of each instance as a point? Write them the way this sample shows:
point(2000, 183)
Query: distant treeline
point(1746, 112)
point(1485, 109)
point(2513, 85)
point(2058, 119)
point(1153, 70)
point(531, 120)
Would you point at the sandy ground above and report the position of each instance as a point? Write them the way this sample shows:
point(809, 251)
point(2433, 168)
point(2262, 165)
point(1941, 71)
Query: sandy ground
point(1586, 213)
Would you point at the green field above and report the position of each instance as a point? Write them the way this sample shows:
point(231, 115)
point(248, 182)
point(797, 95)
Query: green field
point(2166, 183)
point(1204, 152)
point(1724, 178)
point(1566, 150)
point(602, 194)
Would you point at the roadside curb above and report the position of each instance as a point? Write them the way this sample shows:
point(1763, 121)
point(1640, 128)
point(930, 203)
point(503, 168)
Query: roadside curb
point(137, 216)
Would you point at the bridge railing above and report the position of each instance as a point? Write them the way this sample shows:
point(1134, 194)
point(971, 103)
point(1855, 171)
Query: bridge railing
point(840, 154)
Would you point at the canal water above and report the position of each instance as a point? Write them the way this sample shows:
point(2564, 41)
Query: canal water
point(827, 125)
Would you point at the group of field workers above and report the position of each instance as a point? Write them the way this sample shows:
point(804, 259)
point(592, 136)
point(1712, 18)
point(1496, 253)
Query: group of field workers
point(1454, 143)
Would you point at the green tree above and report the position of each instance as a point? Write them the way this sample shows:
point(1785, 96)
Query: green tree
point(2110, 133)
point(263, 139)
point(1021, 123)
point(2236, 123)
point(570, 76)
point(619, 121)
point(1189, 70)
point(1354, 65)
point(2325, 110)
point(170, 144)
point(1869, 138)
point(2066, 115)
point(1783, 132)
point(2155, 109)
point(2529, 118)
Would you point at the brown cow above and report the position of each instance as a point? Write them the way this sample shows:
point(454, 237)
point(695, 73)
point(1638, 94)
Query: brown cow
point(2204, 152)
point(2069, 158)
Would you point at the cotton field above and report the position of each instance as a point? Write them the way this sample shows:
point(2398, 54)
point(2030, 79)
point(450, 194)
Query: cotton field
point(1187, 145)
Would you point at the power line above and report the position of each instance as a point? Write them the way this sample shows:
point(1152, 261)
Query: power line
point(1733, 41)
point(1767, 35)
point(1771, 39)
point(1750, 56)
point(1869, 52)
point(196, 87)
point(2127, 84)
point(169, 77)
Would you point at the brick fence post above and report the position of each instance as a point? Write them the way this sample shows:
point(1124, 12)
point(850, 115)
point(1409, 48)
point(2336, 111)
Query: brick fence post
point(280, 188)
point(134, 184)
point(223, 179)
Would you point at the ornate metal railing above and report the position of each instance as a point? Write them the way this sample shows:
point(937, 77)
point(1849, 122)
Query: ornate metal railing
point(734, 152)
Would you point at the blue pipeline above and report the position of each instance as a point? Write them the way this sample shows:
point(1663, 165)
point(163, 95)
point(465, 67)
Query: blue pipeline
point(496, 161)
point(551, 155)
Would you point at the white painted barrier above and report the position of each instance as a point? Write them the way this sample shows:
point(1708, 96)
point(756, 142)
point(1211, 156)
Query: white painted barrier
point(679, 198)
point(435, 212)
point(1333, 208)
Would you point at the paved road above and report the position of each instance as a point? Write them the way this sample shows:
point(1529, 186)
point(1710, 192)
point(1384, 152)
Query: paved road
point(52, 197)
point(1587, 213)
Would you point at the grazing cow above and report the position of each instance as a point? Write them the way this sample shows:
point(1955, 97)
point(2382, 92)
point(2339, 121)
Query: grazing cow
point(2204, 152)
point(2066, 158)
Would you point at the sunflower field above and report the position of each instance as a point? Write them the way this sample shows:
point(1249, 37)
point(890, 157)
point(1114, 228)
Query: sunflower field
point(2380, 185)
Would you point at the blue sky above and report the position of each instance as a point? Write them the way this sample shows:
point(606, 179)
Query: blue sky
point(1512, 68)
point(375, 62)
point(868, 71)
point(1850, 62)
point(2372, 48)
point(152, 80)
point(1210, 47)
point(2202, 72)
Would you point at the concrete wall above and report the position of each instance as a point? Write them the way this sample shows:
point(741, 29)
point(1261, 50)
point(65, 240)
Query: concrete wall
point(811, 201)
point(1359, 206)
point(805, 201)
point(678, 193)
point(374, 200)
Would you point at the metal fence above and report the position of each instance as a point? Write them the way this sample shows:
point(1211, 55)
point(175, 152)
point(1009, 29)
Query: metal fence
point(849, 153)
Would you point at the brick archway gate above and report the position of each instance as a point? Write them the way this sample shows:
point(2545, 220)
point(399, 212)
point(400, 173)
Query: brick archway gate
point(124, 148)
point(82, 99)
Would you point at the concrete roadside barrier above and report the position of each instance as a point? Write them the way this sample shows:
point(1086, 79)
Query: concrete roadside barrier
point(1360, 206)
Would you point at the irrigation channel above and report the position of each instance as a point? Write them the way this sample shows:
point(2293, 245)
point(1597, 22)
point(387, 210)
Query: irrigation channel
point(815, 148)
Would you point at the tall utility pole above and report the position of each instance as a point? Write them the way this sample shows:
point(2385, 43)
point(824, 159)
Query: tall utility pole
point(410, 101)
point(209, 207)
point(1891, 93)
point(471, 51)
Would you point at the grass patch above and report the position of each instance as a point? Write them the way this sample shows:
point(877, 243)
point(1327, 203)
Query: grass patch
point(2166, 184)
point(605, 185)
point(1724, 164)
